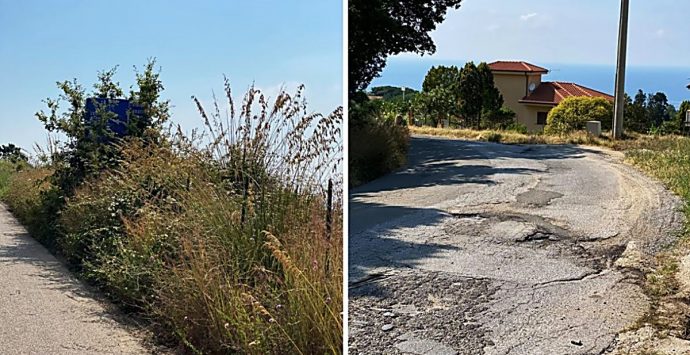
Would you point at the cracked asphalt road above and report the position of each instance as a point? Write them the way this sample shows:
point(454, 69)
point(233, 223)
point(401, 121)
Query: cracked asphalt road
point(45, 310)
point(483, 248)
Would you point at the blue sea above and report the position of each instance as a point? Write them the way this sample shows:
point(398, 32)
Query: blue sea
point(672, 81)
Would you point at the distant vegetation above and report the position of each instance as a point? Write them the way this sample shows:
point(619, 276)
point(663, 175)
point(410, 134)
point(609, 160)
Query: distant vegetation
point(461, 97)
point(228, 240)
point(652, 113)
point(393, 93)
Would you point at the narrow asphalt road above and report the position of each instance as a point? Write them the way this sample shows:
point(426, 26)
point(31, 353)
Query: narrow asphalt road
point(45, 310)
point(482, 248)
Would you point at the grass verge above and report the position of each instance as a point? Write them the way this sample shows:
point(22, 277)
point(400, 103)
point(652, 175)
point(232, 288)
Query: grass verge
point(226, 242)
point(668, 160)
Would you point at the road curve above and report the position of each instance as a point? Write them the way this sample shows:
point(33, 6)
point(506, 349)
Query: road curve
point(483, 248)
point(45, 310)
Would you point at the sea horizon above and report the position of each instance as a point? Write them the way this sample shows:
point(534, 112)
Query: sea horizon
point(670, 80)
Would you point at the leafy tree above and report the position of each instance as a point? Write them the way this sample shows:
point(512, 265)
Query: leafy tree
point(502, 118)
point(471, 92)
point(574, 112)
point(636, 113)
point(441, 76)
point(437, 104)
point(657, 109)
point(682, 111)
point(86, 151)
point(12, 153)
point(677, 118)
point(440, 94)
point(492, 100)
point(379, 28)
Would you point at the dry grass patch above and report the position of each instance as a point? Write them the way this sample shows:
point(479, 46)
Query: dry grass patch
point(512, 137)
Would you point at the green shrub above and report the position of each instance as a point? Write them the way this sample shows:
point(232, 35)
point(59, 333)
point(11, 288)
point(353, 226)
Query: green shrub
point(573, 113)
point(7, 169)
point(35, 202)
point(223, 246)
point(376, 149)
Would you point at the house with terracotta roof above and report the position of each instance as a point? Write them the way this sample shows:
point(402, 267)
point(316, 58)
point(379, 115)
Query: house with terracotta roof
point(531, 98)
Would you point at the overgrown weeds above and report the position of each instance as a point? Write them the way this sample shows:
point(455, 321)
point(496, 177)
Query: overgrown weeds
point(377, 145)
point(224, 239)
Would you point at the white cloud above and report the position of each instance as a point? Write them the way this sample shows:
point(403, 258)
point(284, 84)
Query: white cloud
point(528, 16)
point(660, 32)
point(493, 27)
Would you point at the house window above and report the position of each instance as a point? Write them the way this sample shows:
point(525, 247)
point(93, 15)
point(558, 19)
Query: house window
point(541, 118)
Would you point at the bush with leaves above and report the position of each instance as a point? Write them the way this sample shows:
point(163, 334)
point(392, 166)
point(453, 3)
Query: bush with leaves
point(375, 150)
point(12, 153)
point(87, 149)
point(573, 113)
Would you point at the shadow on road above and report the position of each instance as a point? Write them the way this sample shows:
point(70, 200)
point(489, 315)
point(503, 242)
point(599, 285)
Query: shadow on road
point(377, 236)
point(437, 162)
point(381, 248)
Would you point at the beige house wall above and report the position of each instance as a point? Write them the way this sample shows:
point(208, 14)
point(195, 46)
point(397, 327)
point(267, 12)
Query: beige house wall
point(515, 86)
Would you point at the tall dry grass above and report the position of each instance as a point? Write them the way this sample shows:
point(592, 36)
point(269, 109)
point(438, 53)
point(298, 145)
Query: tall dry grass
point(221, 238)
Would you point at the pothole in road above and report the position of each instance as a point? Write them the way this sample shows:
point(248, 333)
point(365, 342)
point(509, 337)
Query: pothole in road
point(506, 227)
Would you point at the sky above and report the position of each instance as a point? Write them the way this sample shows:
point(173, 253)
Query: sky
point(269, 43)
point(564, 31)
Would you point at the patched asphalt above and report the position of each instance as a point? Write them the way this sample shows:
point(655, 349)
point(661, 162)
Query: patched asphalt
point(483, 248)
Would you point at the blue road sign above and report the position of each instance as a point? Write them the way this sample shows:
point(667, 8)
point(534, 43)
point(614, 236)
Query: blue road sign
point(120, 107)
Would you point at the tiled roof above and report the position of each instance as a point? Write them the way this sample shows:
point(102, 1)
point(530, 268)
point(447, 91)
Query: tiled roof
point(517, 67)
point(553, 92)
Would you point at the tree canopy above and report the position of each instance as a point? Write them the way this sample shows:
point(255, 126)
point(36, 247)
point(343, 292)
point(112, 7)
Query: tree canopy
point(648, 111)
point(379, 28)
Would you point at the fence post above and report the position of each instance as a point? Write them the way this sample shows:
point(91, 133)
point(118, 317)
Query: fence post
point(329, 210)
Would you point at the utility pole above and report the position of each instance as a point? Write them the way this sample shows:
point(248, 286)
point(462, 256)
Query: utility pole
point(620, 71)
